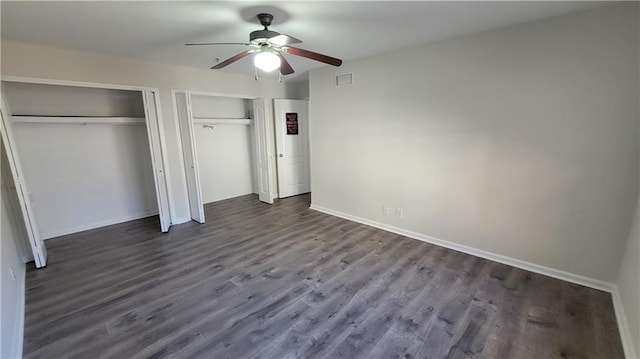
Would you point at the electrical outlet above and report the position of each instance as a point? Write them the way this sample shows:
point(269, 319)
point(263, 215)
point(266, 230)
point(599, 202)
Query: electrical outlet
point(399, 213)
point(385, 209)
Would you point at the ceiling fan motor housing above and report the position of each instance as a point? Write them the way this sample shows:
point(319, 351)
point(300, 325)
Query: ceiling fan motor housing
point(265, 20)
point(262, 34)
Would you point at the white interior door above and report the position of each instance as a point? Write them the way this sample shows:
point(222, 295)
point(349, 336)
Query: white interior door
point(292, 137)
point(8, 144)
point(263, 155)
point(158, 156)
point(185, 122)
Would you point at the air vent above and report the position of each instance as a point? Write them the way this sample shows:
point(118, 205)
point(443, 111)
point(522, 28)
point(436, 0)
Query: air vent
point(344, 79)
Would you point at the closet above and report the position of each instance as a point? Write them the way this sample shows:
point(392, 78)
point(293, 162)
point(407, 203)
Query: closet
point(91, 155)
point(221, 147)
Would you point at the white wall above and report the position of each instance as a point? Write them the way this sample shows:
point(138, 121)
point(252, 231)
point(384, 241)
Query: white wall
point(11, 260)
point(53, 63)
point(224, 161)
point(86, 176)
point(82, 176)
point(521, 141)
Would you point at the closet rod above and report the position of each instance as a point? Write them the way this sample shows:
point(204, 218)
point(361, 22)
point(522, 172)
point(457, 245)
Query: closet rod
point(221, 121)
point(98, 120)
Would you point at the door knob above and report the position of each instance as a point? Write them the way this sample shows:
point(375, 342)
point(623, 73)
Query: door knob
point(281, 155)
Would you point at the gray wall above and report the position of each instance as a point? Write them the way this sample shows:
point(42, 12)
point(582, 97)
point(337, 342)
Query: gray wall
point(521, 141)
point(50, 100)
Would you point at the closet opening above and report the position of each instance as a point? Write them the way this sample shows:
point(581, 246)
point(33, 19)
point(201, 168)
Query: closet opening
point(91, 155)
point(226, 148)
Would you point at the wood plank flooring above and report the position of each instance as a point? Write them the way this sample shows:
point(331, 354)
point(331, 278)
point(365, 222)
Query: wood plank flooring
point(283, 281)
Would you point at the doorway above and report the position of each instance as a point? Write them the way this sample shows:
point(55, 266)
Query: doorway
point(292, 144)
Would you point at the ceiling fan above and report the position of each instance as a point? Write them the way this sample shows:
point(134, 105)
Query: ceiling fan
point(268, 47)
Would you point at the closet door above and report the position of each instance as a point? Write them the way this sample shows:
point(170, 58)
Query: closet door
point(185, 122)
point(292, 145)
point(158, 156)
point(263, 155)
point(37, 245)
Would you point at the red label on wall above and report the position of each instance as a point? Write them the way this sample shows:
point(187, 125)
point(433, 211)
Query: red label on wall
point(292, 123)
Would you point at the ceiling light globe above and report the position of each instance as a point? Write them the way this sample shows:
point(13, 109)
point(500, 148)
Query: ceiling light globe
point(266, 61)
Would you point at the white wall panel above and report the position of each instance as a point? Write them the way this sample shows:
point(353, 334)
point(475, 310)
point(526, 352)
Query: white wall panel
point(86, 176)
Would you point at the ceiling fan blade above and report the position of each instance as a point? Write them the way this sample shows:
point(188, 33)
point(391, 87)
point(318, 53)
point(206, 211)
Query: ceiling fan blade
point(282, 39)
point(313, 55)
point(217, 43)
point(231, 60)
point(285, 66)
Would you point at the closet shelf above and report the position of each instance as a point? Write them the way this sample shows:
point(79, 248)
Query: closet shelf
point(80, 120)
point(221, 121)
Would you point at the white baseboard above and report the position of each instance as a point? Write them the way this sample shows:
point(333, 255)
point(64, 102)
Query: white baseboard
point(623, 326)
point(85, 227)
point(536, 268)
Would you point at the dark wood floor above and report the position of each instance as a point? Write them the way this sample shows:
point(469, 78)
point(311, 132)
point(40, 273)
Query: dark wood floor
point(283, 281)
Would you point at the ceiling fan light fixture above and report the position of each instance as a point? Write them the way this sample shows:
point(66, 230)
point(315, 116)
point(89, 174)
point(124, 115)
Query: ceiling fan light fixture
point(268, 47)
point(266, 61)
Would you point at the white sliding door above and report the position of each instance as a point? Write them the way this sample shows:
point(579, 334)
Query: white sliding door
point(8, 145)
point(292, 146)
point(158, 156)
point(185, 122)
point(263, 156)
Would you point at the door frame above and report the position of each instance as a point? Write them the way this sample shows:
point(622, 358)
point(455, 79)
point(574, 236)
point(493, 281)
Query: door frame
point(159, 157)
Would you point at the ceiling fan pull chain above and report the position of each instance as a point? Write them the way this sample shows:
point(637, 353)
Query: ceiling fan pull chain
point(256, 72)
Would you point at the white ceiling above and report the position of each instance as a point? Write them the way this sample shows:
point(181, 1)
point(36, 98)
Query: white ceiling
point(156, 31)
